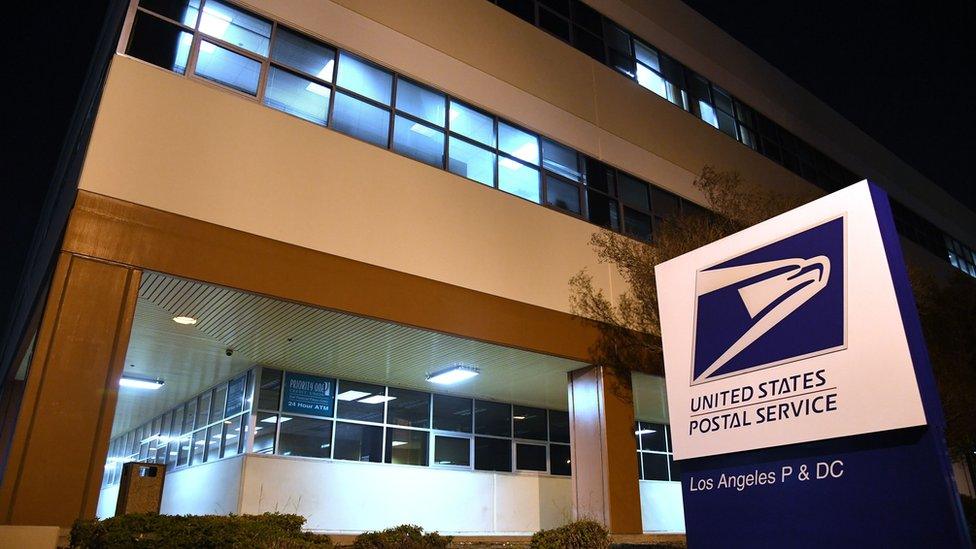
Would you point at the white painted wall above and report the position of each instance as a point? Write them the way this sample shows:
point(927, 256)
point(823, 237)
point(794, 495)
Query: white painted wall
point(208, 489)
point(107, 499)
point(662, 509)
point(343, 496)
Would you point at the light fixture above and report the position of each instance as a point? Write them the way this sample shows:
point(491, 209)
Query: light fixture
point(140, 383)
point(398, 442)
point(644, 432)
point(518, 417)
point(274, 419)
point(377, 399)
point(454, 374)
point(185, 320)
point(352, 395)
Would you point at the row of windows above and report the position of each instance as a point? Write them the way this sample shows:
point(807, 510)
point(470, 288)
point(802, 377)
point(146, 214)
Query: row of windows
point(294, 73)
point(210, 426)
point(592, 33)
point(374, 423)
point(655, 457)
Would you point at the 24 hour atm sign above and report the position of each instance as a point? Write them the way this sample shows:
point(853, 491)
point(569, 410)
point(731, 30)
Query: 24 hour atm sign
point(786, 332)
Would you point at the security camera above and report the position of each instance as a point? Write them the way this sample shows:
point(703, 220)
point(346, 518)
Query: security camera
point(229, 352)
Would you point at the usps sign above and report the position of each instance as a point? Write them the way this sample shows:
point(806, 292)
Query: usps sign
point(786, 332)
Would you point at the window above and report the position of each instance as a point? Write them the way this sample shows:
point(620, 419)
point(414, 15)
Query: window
point(563, 195)
point(560, 160)
point(471, 161)
point(530, 457)
point(232, 436)
point(655, 461)
point(218, 403)
point(518, 143)
point(421, 102)
point(492, 418)
point(602, 210)
point(226, 67)
point(214, 439)
point(265, 429)
point(269, 392)
point(302, 436)
point(452, 451)
point(530, 423)
point(559, 460)
point(203, 409)
point(408, 408)
point(199, 447)
point(492, 454)
point(655, 466)
point(355, 442)
point(302, 54)
point(184, 11)
point(452, 413)
point(361, 120)
point(472, 124)
point(558, 426)
point(298, 96)
point(160, 43)
point(418, 141)
point(236, 26)
point(406, 446)
point(518, 179)
point(364, 78)
point(360, 401)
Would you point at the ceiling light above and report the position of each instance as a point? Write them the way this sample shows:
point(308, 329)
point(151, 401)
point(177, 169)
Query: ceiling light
point(140, 383)
point(185, 320)
point(377, 399)
point(454, 374)
point(352, 395)
point(518, 417)
point(274, 419)
point(644, 432)
point(399, 442)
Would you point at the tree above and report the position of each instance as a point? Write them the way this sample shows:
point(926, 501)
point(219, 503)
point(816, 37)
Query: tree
point(630, 331)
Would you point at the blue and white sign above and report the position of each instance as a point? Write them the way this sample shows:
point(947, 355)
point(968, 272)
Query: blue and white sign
point(308, 394)
point(803, 409)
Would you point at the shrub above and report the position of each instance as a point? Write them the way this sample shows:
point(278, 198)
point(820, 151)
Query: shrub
point(405, 536)
point(581, 534)
point(149, 530)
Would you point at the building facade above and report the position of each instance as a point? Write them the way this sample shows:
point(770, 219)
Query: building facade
point(293, 216)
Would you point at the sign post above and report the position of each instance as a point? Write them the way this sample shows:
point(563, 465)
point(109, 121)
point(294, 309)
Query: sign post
point(803, 408)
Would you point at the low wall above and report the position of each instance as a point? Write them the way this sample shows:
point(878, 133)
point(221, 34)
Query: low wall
point(208, 489)
point(662, 509)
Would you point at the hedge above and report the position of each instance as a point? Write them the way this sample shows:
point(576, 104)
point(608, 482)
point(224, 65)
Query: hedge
point(581, 534)
point(405, 536)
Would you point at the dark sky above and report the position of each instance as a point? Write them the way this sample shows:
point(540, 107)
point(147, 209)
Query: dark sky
point(901, 71)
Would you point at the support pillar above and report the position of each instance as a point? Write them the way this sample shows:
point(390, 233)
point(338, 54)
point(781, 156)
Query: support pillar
point(57, 454)
point(604, 451)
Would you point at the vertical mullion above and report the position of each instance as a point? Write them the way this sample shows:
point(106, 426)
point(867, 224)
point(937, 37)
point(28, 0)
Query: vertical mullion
point(446, 164)
point(389, 137)
point(266, 64)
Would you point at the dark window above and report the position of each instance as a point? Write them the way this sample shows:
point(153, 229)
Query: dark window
point(406, 446)
point(160, 43)
point(655, 466)
point(589, 44)
point(530, 457)
point(360, 401)
point(554, 24)
point(361, 120)
point(652, 436)
point(452, 451)
point(633, 192)
point(558, 426)
point(520, 8)
point(559, 461)
point(664, 204)
point(637, 224)
point(617, 38)
point(560, 159)
point(600, 176)
point(269, 393)
point(562, 194)
point(603, 210)
point(356, 442)
point(675, 469)
point(492, 454)
point(264, 433)
point(529, 422)
point(587, 17)
point(408, 408)
point(492, 418)
point(452, 413)
point(177, 10)
point(559, 6)
point(303, 436)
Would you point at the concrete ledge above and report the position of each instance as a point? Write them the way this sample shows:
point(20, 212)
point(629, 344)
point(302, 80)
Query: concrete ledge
point(29, 537)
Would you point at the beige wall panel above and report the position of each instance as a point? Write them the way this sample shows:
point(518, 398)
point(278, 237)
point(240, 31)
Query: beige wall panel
point(220, 158)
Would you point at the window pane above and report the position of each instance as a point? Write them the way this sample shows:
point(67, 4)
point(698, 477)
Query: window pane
point(470, 123)
point(304, 436)
point(492, 454)
point(664, 204)
point(471, 161)
point(559, 461)
point(551, 22)
point(600, 176)
point(637, 224)
point(308, 56)
point(177, 421)
point(232, 435)
point(518, 179)
point(351, 396)
point(560, 159)
point(518, 143)
point(236, 26)
point(184, 11)
point(558, 426)
point(409, 408)
point(264, 433)
point(562, 194)
point(406, 447)
point(298, 96)
point(418, 141)
point(219, 400)
point(228, 68)
point(189, 415)
point(706, 113)
point(236, 389)
point(590, 44)
point(184, 452)
point(452, 413)
point(420, 102)
point(647, 56)
point(651, 80)
point(652, 436)
point(160, 43)
point(492, 418)
point(364, 78)
point(530, 457)
point(725, 123)
point(358, 442)
point(214, 436)
point(361, 120)
point(633, 192)
point(616, 37)
point(203, 409)
point(199, 447)
point(452, 451)
point(269, 394)
point(602, 210)
point(655, 466)
point(529, 422)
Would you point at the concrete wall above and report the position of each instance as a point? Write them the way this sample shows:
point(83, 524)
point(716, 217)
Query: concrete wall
point(208, 489)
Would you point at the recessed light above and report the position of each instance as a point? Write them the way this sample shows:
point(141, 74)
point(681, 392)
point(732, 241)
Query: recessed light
point(274, 419)
point(398, 442)
point(377, 399)
point(185, 320)
point(454, 374)
point(352, 395)
point(140, 383)
point(644, 432)
point(518, 417)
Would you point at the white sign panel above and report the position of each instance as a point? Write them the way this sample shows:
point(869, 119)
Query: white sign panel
point(786, 332)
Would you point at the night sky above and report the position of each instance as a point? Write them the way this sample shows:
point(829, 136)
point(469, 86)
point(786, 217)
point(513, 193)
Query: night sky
point(901, 71)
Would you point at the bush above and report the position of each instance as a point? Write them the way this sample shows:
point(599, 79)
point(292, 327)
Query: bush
point(149, 530)
point(405, 536)
point(581, 534)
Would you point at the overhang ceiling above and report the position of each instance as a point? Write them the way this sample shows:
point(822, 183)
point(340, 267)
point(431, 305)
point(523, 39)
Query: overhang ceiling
point(271, 332)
